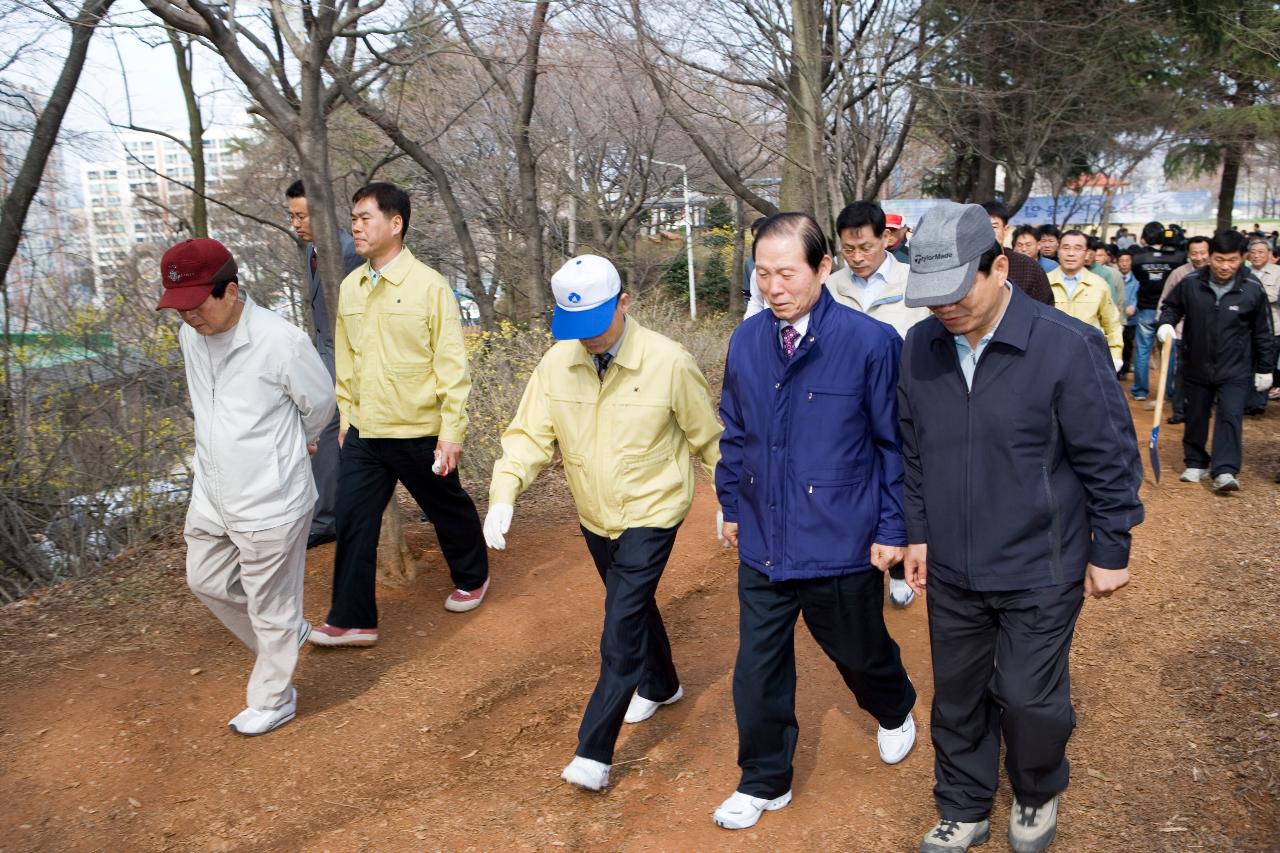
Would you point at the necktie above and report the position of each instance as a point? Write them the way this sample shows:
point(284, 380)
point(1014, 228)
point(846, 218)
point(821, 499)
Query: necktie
point(790, 337)
point(315, 264)
point(602, 364)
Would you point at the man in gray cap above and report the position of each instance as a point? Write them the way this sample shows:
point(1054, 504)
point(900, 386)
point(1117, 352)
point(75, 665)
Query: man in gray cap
point(1022, 476)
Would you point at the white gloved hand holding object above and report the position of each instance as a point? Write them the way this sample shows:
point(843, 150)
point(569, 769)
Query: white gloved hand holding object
point(1164, 334)
point(1118, 362)
point(720, 527)
point(496, 524)
point(1261, 382)
point(438, 465)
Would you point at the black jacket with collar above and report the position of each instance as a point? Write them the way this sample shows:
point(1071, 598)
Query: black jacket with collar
point(1034, 473)
point(1225, 340)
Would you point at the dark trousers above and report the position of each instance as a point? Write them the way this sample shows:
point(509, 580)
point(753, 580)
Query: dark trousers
point(1229, 399)
point(846, 616)
point(1000, 666)
point(1126, 353)
point(369, 470)
point(324, 467)
point(635, 653)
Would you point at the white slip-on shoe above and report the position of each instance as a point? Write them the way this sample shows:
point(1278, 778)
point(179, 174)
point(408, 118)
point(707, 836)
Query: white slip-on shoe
point(896, 744)
point(1193, 475)
point(252, 722)
point(741, 810)
point(1226, 483)
point(900, 593)
point(642, 709)
point(586, 773)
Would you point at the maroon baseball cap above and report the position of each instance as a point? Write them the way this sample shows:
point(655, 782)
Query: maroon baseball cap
point(191, 269)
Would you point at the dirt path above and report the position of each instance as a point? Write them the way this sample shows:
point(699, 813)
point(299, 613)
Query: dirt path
point(450, 735)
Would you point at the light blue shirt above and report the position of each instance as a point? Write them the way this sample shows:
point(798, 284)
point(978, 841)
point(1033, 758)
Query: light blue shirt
point(968, 355)
point(1070, 283)
point(869, 289)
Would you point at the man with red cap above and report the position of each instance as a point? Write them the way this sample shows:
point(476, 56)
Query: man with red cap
point(260, 396)
point(895, 233)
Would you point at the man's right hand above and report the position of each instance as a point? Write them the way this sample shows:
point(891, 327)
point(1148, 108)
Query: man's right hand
point(1130, 310)
point(729, 532)
point(915, 567)
point(1164, 334)
point(342, 436)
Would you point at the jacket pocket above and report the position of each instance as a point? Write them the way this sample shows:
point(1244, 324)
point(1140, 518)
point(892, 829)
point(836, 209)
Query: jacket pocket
point(651, 483)
point(353, 324)
point(406, 341)
point(575, 472)
point(752, 518)
point(835, 520)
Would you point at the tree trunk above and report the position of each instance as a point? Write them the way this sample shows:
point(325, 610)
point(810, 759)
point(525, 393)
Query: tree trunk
point(396, 565)
point(737, 281)
point(195, 135)
point(13, 214)
point(1232, 157)
point(803, 178)
point(526, 163)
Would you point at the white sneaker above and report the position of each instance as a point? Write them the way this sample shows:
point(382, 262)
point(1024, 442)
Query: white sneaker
point(1193, 475)
point(1226, 483)
point(743, 810)
point(586, 773)
point(252, 722)
point(900, 593)
point(953, 836)
point(642, 709)
point(896, 744)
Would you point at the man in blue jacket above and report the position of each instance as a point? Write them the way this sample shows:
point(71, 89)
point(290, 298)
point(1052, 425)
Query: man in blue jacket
point(810, 483)
point(1022, 477)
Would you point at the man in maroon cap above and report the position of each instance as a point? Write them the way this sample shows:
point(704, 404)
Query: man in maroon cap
point(260, 396)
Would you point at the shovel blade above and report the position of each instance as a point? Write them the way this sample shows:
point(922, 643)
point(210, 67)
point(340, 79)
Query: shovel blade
point(1153, 452)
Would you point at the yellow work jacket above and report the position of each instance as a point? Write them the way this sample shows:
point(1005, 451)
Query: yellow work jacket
point(1091, 303)
point(626, 441)
point(398, 354)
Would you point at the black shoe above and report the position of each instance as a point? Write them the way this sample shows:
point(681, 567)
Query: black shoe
point(317, 539)
point(1278, 476)
point(1177, 419)
point(1256, 410)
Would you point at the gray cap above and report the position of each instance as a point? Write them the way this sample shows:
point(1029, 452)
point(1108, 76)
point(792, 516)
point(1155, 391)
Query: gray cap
point(945, 250)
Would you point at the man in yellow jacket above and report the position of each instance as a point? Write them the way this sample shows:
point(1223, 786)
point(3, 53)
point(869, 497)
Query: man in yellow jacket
point(1085, 295)
point(402, 401)
point(627, 407)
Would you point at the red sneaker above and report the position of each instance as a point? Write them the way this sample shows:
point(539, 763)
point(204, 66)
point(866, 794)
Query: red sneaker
point(460, 601)
point(327, 635)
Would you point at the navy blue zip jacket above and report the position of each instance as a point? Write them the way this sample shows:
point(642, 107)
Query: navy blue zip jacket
point(810, 461)
point(1021, 482)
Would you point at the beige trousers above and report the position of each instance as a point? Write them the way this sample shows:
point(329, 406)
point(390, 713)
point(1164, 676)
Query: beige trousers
point(253, 583)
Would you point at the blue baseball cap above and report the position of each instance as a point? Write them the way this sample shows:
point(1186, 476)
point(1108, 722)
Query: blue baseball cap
point(586, 289)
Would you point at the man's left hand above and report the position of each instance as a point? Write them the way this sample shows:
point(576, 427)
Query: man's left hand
point(312, 448)
point(447, 455)
point(1100, 583)
point(884, 557)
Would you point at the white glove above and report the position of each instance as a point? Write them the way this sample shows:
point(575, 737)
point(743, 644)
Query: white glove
point(496, 524)
point(1118, 362)
point(720, 524)
point(1164, 334)
point(1261, 382)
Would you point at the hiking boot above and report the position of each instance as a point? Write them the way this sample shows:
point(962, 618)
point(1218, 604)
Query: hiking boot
point(1225, 482)
point(460, 600)
point(1031, 828)
point(1193, 475)
point(900, 593)
point(953, 836)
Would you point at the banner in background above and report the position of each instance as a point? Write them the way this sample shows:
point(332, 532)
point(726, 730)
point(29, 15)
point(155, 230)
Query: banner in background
point(1086, 209)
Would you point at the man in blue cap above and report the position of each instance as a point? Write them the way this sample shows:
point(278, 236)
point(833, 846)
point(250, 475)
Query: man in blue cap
point(627, 407)
point(1022, 477)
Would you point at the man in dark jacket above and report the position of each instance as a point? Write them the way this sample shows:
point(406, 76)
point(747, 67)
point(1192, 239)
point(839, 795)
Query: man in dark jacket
point(1022, 477)
point(810, 483)
point(1152, 264)
point(324, 463)
point(1024, 273)
point(1227, 344)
